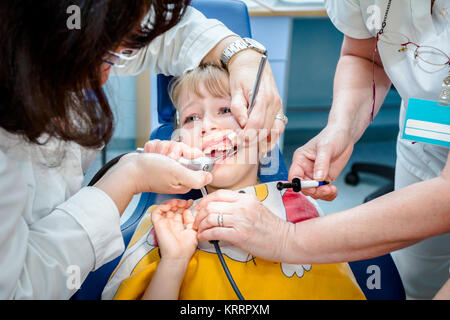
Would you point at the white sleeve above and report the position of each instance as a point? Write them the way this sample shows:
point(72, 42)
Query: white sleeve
point(179, 49)
point(347, 17)
point(36, 260)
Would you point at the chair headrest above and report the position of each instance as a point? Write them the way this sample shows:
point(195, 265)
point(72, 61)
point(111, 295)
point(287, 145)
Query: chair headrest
point(234, 15)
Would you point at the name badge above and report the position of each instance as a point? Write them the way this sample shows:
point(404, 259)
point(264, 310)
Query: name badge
point(428, 122)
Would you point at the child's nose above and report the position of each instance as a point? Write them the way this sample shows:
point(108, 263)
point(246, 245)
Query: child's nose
point(208, 125)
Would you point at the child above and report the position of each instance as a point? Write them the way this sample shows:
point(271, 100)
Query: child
point(164, 259)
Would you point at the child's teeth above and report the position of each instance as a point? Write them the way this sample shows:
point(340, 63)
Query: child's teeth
point(232, 135)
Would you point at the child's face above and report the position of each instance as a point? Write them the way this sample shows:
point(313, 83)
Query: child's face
point(207, 123)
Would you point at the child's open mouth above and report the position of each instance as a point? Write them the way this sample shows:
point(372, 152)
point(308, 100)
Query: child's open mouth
point(221, 147)
point(222, 152)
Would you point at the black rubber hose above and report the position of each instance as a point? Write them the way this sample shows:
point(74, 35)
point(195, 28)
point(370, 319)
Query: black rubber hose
point(104, 170)
point(227, 271)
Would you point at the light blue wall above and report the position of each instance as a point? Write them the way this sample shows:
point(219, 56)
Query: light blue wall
point(121, 93)
point(315, 51)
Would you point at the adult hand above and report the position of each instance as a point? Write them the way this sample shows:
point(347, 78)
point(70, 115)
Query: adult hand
point(158, 170)
point(153, 172)
point(247, 224)
point(243, 68)
point(323, 158)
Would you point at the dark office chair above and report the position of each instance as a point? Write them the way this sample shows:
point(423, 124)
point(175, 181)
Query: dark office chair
point(388, 172)
point(235, 16)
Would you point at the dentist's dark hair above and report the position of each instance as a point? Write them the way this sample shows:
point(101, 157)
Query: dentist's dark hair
point(50, 75)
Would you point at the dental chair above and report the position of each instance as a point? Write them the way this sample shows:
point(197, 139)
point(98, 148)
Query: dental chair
point(234, 15)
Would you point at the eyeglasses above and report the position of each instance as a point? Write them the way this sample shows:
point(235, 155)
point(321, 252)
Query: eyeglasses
point(120, 59)
point(431, 56)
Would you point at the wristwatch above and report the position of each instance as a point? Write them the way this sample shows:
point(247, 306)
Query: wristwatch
point(238, 46)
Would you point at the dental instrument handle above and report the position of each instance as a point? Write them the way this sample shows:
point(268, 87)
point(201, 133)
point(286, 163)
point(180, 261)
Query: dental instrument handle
point(259, 75)
point(298, 185)
point(199, 164)
point(188, 164)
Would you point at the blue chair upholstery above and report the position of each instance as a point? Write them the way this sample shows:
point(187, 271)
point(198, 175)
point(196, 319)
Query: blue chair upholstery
point(235, 16)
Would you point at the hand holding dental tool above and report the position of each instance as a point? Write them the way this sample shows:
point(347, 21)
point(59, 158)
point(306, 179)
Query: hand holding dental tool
point(297, 185)
point(199, 164)
point(207, 163)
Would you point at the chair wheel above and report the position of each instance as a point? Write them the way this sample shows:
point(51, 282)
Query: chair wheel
point(352, 179)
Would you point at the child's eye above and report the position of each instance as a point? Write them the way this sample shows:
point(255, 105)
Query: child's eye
point(191, 118)
point(224, 110)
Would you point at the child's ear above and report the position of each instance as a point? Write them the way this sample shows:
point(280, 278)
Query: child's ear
point(176, 135)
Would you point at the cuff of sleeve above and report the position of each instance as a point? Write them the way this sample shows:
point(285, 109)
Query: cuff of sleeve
point(98, 215)
point(349, 31)
point(202, 42)
point(352, 13)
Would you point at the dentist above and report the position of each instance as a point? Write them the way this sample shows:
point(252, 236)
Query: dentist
point(51, 129)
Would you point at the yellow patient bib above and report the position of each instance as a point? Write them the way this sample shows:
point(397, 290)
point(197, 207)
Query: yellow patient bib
point(256, 278)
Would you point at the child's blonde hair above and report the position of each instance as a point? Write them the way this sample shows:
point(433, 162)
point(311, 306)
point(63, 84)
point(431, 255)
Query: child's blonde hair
point(214, 79)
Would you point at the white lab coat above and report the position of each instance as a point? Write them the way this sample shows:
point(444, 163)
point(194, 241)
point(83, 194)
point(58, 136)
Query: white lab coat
point(51, 227)
point(424, 267)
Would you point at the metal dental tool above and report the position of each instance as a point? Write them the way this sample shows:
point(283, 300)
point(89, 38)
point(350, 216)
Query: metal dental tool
point(200, 164)
point(259, 75)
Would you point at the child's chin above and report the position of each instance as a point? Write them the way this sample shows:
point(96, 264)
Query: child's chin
point(221, 184)
point(223, 179)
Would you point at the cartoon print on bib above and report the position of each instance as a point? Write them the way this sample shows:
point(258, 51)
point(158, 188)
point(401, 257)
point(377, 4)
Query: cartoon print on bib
point(255, 277)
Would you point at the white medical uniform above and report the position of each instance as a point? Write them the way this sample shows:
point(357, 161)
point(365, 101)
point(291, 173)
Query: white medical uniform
point(50, 227)
point(424, 267)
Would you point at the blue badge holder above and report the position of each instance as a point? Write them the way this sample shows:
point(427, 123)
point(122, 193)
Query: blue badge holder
point(428, 122)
